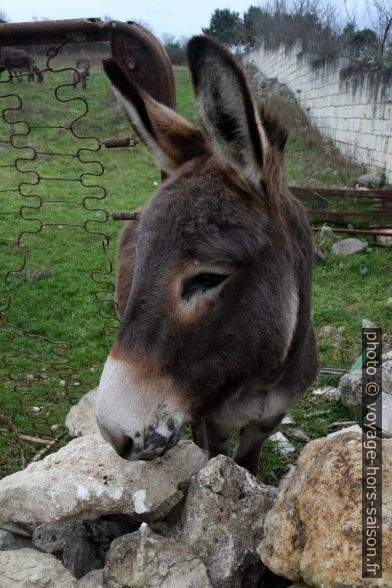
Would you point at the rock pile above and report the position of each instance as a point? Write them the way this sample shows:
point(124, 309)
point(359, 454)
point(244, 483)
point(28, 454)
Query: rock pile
point(83, 517)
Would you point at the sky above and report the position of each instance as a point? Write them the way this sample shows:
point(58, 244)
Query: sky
point(176, 17)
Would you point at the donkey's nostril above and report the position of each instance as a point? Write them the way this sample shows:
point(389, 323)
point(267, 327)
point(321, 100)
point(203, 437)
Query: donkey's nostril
point(127, 449)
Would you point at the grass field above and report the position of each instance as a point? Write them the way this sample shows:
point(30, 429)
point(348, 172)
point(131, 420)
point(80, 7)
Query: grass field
point(57, 244)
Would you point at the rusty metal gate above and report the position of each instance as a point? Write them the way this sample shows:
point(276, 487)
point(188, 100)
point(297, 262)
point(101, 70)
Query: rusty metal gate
point(350, 212)
point(50, 197)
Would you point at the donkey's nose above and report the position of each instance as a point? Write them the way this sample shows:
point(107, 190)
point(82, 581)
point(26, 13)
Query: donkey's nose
point(128, 449)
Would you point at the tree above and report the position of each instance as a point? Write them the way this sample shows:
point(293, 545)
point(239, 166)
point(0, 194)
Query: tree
point(3, 16)
point(175, 48)
point(226, 26)
point(381, 11)
point(256, 24)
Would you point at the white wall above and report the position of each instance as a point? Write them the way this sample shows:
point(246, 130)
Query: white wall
point(356, 113)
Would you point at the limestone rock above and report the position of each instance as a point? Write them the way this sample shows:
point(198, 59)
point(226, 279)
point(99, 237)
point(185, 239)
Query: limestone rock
point(25, 568)
point(144, 559)
point(283, 444)
point(93, 579)
point(386, 241)
point(368, 324)
point(80, 419)
point(86, 479)
point(348, 246)
point(223, 519)
point(327, 393)
point(81, 545)
point(52, 537)
point(9, 541)
point(370, 180)
point(350, 387)
point(387, 414)
point(81, 556)
point(313, 533)
point(351, 429)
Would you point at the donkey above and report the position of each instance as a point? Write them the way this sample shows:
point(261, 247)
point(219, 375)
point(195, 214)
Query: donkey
point(214, 281)
point(81, 73)
point(83, 63)
point(17, 60)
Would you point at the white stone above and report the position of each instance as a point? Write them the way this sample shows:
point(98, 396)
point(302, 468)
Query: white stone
point(348, 246)
point(26, 568)
point(80, 419)
point(328, 392)
point(350, 387)
point(223, 517)
point(87, 479)
point(93, 579)
point(282, 442)
point(352, 429)
point(386, 241)
point(146, 560)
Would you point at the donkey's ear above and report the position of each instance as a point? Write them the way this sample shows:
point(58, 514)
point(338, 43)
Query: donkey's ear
point(226, 109)
point(170, 138)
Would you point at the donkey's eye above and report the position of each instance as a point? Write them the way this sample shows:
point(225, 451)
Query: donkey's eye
point(201, 283)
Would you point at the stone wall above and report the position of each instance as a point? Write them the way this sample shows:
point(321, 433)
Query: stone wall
point(352, 108)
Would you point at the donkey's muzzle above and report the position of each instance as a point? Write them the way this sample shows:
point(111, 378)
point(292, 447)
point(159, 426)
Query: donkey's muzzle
point(135, 415)
point(138, 446)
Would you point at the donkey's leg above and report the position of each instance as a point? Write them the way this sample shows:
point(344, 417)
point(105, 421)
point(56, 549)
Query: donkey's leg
point(218, 437)
point(199, 434)
point(252, 437)
point(276, 403)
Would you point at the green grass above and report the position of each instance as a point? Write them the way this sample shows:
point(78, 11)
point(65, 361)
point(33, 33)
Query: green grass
point(56, 284)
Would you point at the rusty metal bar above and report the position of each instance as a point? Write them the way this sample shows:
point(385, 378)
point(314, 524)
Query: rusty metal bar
point(351, 213)
point(135, 216)
point(370, 232)
point(50, 31)
point(126, 216)
point(301, 191)
point(120, 142)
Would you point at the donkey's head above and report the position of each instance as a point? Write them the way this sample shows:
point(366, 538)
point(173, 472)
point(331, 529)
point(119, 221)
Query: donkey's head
point(201, 284)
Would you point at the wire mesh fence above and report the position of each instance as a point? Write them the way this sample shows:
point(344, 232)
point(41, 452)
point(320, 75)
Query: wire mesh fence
point(57, 309)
